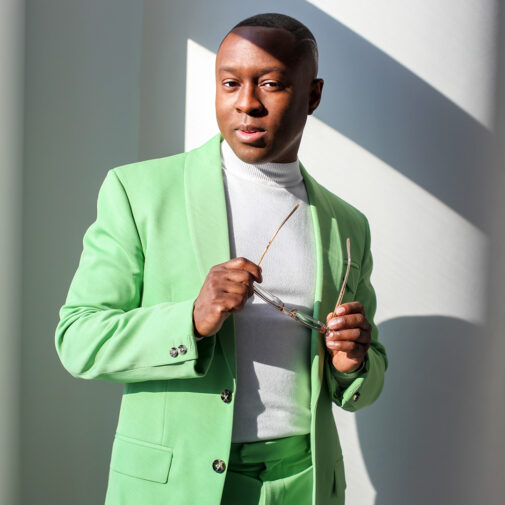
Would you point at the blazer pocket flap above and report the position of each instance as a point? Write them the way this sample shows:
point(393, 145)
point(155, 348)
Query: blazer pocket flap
point(141, 459)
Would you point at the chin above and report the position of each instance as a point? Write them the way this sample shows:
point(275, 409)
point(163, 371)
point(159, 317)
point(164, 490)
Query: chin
point(252, 154)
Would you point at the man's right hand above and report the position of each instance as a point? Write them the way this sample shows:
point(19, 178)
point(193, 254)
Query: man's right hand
point(225, 290)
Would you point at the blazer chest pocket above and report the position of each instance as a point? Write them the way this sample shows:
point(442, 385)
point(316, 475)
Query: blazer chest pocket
point(141, 459)
point(339, 483)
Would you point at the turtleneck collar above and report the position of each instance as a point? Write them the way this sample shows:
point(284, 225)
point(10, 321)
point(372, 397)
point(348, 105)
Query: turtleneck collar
point(274, 174)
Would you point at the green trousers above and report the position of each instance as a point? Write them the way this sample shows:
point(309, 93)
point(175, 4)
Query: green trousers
point(271, 472)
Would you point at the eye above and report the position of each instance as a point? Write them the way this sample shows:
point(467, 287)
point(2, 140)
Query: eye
point(230, 84)
point(274, 85)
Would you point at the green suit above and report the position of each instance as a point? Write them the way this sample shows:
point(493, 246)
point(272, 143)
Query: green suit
point(161, 225)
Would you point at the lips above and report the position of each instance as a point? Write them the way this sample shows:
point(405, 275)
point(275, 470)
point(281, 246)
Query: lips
point(249, 133)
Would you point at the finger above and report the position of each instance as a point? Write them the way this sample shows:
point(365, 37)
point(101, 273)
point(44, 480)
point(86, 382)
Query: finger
point(245, 264)
point(230, 302)
point(346, 308)
point(221, 273)
point(243, 276)
point(237, 288)
point(350, 308)
point(349, 321)
point(354, 334)
point(237, 302)
point(354, 349)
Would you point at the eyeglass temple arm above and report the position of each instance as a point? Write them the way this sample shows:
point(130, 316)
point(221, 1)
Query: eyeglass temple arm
point(275, 234)
point(342, 290)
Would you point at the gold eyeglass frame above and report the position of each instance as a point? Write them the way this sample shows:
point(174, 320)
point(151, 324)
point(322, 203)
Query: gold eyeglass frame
point(291, 310)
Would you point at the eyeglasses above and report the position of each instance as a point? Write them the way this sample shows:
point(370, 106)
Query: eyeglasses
point(291, 310)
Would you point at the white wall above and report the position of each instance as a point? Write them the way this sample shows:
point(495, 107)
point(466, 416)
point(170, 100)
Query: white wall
point(449, 44)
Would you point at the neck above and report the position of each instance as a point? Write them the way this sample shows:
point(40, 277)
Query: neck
point(278, 174)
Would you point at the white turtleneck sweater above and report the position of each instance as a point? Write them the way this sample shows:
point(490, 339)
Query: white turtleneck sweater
point(272, 398)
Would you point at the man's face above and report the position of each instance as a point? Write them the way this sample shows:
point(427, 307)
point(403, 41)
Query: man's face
point(263, 94)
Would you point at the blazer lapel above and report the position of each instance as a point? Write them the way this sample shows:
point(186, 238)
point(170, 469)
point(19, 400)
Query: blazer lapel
point(208, 222)
point(208, 226)
point(206, 205)
point(329, 269)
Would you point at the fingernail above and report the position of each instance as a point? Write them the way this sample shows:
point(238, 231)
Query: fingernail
point(340, 310)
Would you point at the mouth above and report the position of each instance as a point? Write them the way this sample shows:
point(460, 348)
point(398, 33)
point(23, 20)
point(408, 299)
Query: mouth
point(249, 133)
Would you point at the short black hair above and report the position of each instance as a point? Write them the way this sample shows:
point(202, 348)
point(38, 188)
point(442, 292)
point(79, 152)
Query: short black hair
point(304, 38)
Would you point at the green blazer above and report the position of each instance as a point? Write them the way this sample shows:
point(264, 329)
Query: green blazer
point(161, 225)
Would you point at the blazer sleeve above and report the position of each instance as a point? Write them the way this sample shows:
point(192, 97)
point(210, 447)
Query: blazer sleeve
point(355, 390)
point(103, 332)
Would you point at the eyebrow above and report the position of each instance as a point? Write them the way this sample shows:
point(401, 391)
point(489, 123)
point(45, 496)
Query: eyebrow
point(261, 71)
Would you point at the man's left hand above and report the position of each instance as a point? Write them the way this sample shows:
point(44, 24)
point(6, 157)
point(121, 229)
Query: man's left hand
point(348, 336)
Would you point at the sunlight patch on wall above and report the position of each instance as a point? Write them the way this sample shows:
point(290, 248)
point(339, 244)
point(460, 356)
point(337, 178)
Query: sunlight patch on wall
point(428, 259)
point(450, 45)
point(201, 122)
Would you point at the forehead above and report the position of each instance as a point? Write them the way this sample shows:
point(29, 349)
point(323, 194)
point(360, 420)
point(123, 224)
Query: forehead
point(251, 45)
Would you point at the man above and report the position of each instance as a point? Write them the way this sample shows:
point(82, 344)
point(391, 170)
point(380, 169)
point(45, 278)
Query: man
point(227, 400)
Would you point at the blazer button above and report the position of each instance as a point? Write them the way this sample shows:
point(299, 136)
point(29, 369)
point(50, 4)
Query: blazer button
point(355, 396)
point(174, 352)
point(219, 465)
point(226, 395)
point(182, 349)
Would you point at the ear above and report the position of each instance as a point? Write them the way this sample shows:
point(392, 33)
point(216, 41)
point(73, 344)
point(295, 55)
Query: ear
point(316, 89)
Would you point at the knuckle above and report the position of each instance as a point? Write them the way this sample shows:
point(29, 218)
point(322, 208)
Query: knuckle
point(213, 276)
point(220, 307)
point(215, 269)
point(243, 276)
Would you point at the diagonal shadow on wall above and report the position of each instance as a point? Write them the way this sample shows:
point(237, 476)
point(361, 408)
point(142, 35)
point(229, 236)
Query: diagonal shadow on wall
point(419, 437)
point(368, 97)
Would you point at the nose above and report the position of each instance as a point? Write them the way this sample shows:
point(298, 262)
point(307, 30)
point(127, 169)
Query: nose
point(248, 101)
